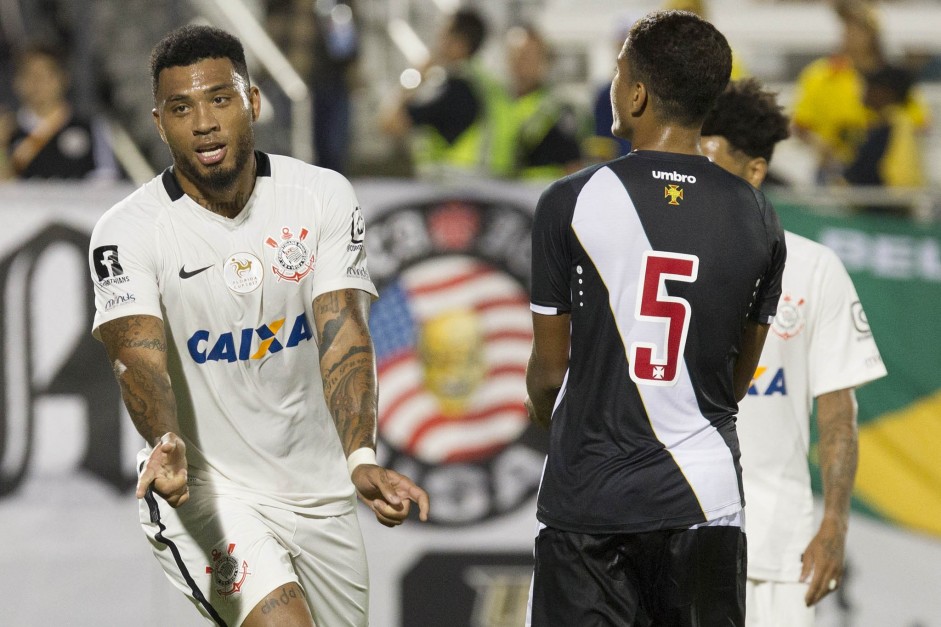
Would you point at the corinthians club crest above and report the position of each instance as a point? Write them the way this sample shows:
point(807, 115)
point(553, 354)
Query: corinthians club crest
point(789, 320)
point(294, 258)
point(453, 333)
point(228, 572)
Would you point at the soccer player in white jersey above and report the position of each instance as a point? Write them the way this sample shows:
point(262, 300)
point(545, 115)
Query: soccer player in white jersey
point(232, 296)
point(820, 347)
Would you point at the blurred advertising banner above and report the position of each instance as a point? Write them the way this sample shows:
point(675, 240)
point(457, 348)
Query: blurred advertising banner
point(452, 333)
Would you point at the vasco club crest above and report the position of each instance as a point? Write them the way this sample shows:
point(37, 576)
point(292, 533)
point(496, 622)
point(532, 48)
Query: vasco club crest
point(453, 333)
point(294, 259)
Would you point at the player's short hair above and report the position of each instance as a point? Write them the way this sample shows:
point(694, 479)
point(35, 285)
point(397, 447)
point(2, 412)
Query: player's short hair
point(683, 60)
point(190, 44)
point(749, 118)
point(468, 24)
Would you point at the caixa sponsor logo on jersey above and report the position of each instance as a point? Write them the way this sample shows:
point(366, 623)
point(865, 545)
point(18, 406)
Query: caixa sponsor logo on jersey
point(768, 383)
point(674, 176)
point(251, 343)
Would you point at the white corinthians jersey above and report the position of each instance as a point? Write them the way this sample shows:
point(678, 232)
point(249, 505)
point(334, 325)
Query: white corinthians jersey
point(819, 342)
point(236, 298)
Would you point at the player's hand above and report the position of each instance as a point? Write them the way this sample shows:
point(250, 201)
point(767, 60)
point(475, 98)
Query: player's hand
point(533, 416)
point(388, 494)
point(823, 561)
point(165, 470)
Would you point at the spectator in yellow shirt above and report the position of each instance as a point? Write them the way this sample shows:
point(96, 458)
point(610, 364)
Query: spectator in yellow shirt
point(889, 155)
point(829, 112)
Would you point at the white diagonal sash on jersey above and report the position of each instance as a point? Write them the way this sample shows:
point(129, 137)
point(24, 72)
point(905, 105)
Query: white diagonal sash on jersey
point(609, 229)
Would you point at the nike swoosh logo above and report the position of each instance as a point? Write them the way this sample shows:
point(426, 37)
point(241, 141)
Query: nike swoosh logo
point(186, 275)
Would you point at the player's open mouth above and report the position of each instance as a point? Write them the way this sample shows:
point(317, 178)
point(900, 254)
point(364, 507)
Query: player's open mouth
point(211, 155)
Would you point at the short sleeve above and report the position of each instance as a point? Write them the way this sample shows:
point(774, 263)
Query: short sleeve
point(769, 289)
point(551, 265)
point(340, 261)
point(123, 266)
point(843, 353)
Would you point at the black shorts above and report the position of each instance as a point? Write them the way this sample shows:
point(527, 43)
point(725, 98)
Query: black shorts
point(672, 578)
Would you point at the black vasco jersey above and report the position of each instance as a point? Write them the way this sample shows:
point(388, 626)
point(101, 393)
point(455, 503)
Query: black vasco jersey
point(659, 258)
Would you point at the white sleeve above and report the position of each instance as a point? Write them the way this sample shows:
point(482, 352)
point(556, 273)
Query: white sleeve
point(123, 269)
point(340, 261)
point(842, 352)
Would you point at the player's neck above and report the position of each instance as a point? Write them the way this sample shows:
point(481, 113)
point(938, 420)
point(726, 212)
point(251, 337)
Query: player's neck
point(226, 203)
point(668, 138)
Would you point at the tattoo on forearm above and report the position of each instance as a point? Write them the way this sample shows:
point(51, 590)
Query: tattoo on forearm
point(148, 397)
point(347, 364)
point(349, 390)
point(141, 373)
point(838, 452)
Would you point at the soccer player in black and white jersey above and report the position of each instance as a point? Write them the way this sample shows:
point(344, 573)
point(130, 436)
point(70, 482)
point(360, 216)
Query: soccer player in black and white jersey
point(655, 278)
point(819, 349)
point(232, 296)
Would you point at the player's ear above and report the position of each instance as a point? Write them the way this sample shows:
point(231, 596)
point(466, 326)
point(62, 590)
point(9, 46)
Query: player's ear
point(639, 97)
point(159, 126)
point(254, 99)
point(756, 170)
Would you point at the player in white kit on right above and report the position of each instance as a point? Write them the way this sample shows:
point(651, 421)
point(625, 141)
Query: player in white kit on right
point(233, 296)
point(820, 347)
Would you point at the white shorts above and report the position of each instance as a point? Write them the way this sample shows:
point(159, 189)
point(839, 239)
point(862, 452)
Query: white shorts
point(226, 555)
point(776, 604)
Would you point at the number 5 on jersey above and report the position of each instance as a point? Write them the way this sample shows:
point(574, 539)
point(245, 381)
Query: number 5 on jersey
point(653, 364)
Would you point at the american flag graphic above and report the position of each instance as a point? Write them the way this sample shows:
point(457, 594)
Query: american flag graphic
point(411, 415)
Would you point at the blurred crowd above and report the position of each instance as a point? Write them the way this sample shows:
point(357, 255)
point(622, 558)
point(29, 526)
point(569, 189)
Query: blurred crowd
point(859, 111)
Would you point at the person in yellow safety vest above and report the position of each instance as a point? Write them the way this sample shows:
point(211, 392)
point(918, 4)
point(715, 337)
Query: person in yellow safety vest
point(544, 142)
point(455, 112)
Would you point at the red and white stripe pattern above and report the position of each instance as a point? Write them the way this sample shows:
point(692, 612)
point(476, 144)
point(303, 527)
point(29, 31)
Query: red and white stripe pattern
point(410, 418)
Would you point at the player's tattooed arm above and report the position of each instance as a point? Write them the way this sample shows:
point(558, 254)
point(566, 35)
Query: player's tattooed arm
point(839, 451)
point(822, 560)
point(348, 365)
point(137, 349)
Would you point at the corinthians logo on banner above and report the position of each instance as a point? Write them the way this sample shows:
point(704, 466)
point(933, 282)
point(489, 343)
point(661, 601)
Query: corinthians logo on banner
point(453, 333)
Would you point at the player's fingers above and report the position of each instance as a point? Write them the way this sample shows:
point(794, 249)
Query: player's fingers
point(385, 515)
point(144, 481)
point(807, 565)
point(825, 581)
point(396, 512)
point(387, 481)
point(178, 498)
point(421, 497)
point(148, 474)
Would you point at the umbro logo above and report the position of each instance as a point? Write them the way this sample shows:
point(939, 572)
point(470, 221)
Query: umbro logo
point(186, 274)
point(674, 176)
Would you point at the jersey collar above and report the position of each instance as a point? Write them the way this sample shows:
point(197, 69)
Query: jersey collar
point(172, 186)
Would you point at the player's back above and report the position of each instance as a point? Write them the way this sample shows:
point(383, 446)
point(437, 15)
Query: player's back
point(659, 257)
